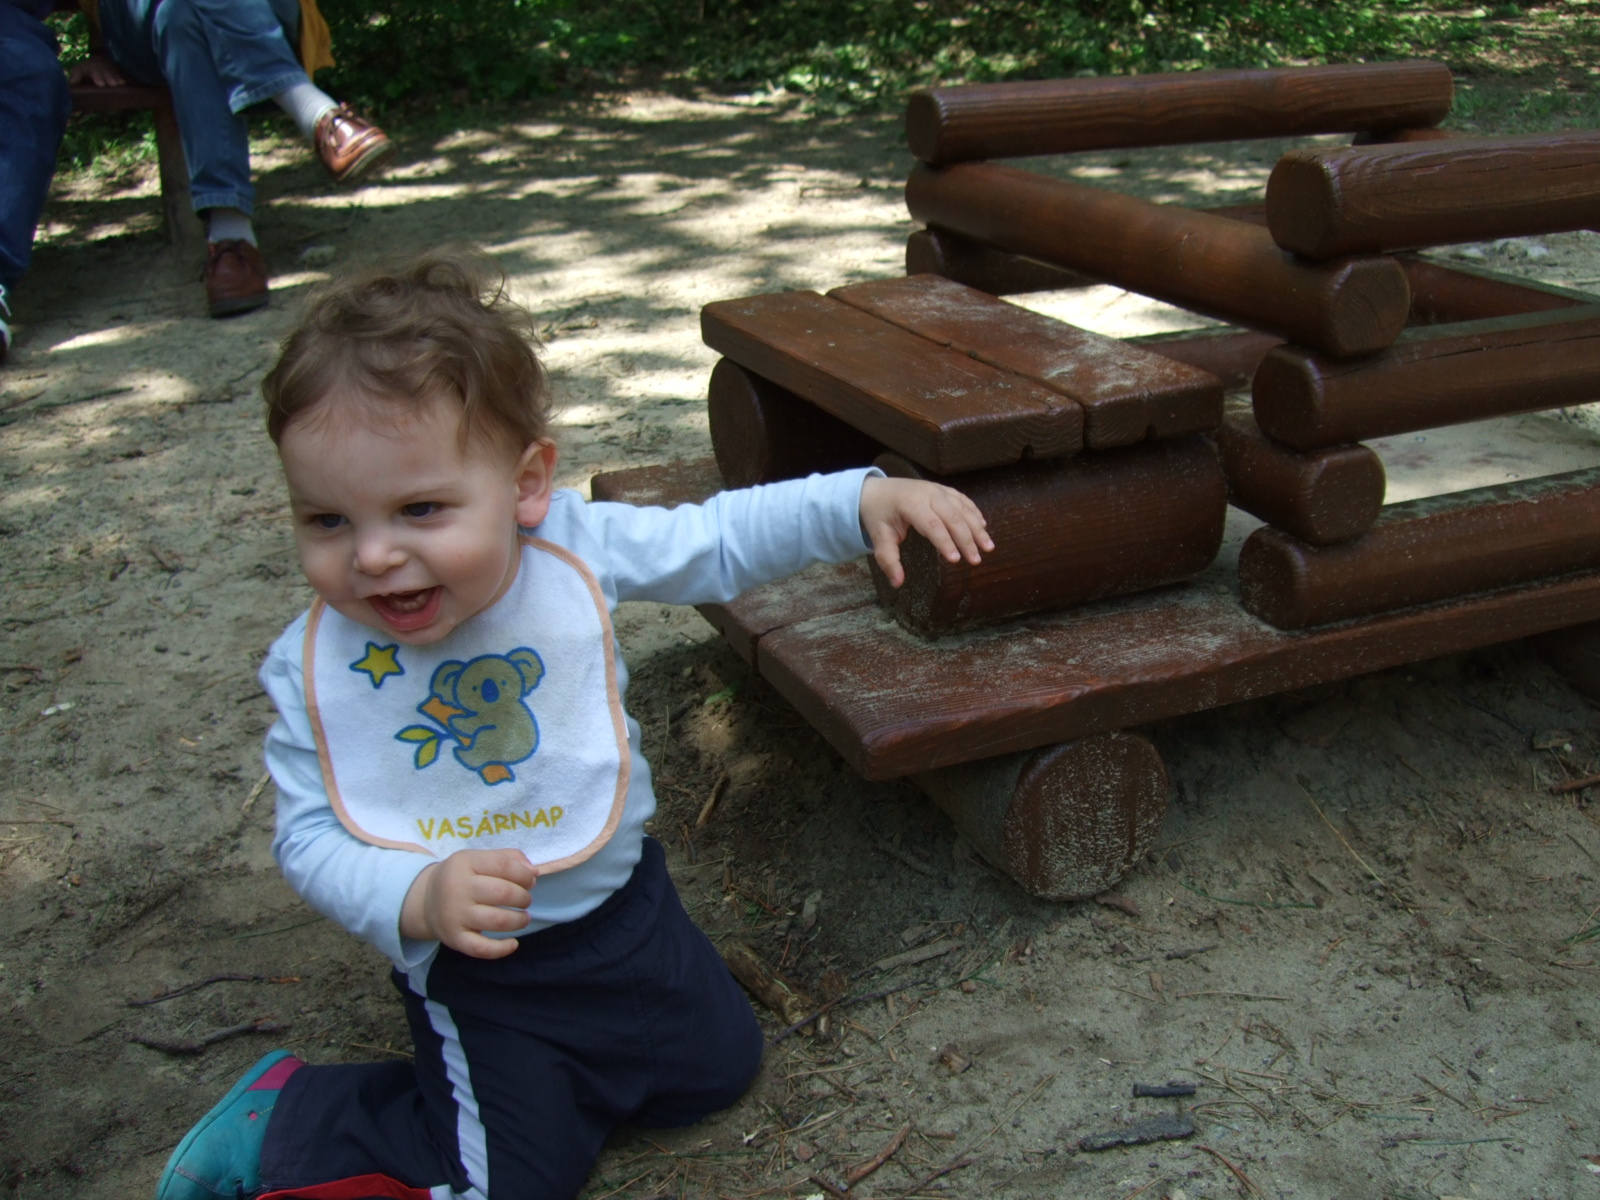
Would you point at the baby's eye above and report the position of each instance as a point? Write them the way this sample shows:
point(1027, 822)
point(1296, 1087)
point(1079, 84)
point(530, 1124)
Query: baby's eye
point(326, 520)
point(422, 508)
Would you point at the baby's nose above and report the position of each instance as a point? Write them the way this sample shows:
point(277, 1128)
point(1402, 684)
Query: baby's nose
point(376, 554)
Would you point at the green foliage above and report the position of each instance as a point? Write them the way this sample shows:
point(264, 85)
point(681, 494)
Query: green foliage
point(840, 53)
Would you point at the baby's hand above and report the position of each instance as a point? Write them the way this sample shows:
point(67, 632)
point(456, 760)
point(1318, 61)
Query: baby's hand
point(892, 507)
point(471, 892)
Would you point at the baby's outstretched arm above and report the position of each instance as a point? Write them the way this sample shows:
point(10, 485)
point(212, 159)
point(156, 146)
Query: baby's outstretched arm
point(890, 508)
point(469, 893)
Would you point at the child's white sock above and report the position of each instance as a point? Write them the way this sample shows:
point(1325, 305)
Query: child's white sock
point(306, 103)
point(229, 224)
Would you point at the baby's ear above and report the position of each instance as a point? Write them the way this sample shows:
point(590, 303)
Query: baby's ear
point(535, 476)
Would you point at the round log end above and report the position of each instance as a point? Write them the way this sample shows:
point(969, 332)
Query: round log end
point(761, 433)
point(1273, 579)
point(1370, 302)
point(925, 254)
point(1287, 398)
point(925, 125)
point(741, 436)
point(1342, 496)
point(1302, 205)
point(1082, 814)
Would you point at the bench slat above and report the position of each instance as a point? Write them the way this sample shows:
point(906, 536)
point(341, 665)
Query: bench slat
point(943, 410)
point(1127, 393)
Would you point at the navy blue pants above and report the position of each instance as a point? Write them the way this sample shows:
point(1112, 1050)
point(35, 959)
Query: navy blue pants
point(34, 103)
point(525, 1064)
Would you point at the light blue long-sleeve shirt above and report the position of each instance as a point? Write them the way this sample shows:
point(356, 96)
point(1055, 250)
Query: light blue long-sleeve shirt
point(692, 554)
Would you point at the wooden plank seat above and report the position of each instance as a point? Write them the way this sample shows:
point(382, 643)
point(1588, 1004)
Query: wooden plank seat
point(182, 227)
point(949, 376)
point(894, 704)
point(1127, 393)
point(938, 407)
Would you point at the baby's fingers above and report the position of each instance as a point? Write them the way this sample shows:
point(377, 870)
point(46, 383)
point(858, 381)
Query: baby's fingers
point(954, 526)
point(475, 945)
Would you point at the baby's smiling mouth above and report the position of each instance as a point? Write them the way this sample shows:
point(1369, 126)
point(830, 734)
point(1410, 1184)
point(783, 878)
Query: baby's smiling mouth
point(407, 610)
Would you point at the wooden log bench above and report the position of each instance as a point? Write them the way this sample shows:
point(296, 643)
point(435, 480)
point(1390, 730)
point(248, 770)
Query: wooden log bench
point(1009, 690)
point(177, 211)
point(1014, 729)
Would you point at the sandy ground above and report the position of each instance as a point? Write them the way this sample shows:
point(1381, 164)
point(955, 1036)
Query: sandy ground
point(1362, 932)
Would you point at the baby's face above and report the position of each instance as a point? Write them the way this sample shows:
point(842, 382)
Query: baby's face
point(400, 526)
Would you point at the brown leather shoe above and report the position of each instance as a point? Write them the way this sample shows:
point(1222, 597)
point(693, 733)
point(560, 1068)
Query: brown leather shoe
point(348, 145)
point(236, 278)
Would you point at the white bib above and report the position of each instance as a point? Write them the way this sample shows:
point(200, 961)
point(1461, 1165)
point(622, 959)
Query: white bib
point(508, 732)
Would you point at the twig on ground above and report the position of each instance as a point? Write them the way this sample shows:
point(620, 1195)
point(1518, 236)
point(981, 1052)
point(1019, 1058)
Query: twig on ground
point(1574, 785)
point(1311, 800)
point(259, 1025)
point(204, 983)
point(959, 1164)
point(900, 856)
point(1249, 1185)
point(856, 1174)
point(707, 808)
point(1037, 1088)
point(255, 793)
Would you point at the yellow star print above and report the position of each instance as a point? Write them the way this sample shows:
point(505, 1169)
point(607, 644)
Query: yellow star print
point(380, 662)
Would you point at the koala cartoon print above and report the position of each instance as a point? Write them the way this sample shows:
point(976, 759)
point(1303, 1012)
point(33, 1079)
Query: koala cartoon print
point(525, 699)
point(483, 705)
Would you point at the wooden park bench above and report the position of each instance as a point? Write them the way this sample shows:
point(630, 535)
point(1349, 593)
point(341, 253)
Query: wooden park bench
point(1008, 690)
point(177, 212)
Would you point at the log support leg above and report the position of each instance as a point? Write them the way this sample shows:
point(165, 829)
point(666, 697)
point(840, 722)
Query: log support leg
point(1064, 821)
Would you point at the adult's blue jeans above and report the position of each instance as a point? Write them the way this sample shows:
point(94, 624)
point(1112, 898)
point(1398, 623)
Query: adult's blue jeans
point(34, 103)
point(218, 57)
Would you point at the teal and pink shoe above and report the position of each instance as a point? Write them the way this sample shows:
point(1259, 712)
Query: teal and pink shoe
point(221, 1155)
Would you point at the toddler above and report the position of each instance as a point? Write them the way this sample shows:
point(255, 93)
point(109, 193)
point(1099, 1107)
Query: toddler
point(459, 782)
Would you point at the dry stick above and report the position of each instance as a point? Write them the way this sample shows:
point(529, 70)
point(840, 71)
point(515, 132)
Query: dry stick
point(1241, 995)
point(1574, 785)
point(195, 987)
point(1585, 922)
point(717, 789)
point(623, 1187)
point(255, 793)
point(1212, 1056)
point(259, 1025)
point(1039, 1087)
point(1312, 801)
point(858, 998)
point(856, 1174)
point(833, 1189)
point(958, 1165)
point(1244, 1180)
point(1442, 1092)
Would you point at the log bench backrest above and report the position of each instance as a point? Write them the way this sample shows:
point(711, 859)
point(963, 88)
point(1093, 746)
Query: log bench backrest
point(1368, 199)
point(1014, 120)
